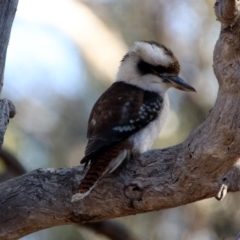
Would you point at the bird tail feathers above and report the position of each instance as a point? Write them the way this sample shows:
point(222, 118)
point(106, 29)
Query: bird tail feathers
point(106, 163)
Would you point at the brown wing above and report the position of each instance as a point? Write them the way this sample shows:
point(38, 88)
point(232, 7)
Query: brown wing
point(121, 111)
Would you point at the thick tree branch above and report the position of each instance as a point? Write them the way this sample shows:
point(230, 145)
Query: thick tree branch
point(203, 166)
point(7, 13)
point(152, 182)
point(112, 229)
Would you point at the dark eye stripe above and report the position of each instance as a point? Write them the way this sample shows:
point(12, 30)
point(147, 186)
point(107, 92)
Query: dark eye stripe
point(145, 68)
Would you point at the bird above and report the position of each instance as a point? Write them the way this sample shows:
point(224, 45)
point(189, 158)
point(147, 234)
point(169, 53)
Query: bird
point(128, 117)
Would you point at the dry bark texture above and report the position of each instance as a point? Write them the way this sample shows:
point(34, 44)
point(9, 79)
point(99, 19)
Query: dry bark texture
point(7, 13)
point(203, 166)
point(112, 229)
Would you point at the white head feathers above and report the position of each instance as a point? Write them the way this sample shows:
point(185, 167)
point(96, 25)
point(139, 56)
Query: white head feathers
point(153, 53)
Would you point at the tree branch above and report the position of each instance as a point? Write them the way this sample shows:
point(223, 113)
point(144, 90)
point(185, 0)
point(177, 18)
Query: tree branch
point(203, 166)
point(7, 110)
point(7, 13)
point(112, 229)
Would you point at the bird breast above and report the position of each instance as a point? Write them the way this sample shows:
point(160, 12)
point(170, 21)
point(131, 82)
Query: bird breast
point(143, 140)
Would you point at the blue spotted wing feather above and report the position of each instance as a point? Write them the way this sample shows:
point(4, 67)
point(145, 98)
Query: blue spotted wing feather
point(120, 112)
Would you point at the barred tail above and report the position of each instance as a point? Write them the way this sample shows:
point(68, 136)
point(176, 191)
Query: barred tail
point(105, 163)
point(95, 172)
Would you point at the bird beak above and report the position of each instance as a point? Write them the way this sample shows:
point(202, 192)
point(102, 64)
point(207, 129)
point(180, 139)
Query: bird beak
point(178, 83)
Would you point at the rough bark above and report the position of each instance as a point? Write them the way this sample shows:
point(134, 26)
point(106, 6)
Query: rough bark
point(112, 229)
point(203, 166)
point(7, 110)
point(7, 13)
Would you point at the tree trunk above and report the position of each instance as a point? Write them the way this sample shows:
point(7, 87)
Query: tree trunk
point(7, 13)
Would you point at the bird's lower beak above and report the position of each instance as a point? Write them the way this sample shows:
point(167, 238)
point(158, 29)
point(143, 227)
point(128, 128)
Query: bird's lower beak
point(178, 83)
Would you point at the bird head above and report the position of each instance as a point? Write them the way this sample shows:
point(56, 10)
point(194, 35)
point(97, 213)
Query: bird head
point(152, 66)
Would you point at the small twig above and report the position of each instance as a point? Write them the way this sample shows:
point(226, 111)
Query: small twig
point(222, 192)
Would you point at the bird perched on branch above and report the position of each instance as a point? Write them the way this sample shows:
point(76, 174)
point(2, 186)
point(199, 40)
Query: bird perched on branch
point(129, 115)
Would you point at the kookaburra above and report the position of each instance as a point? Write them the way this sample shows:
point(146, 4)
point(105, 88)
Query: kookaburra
point(129, 115)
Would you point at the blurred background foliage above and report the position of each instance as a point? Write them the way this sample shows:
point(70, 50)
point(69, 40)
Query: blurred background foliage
point(64, 53)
